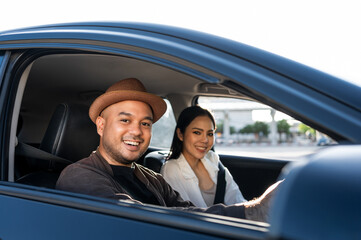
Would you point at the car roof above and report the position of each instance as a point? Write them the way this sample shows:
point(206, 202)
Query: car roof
point(296, 71)
point(208, 65)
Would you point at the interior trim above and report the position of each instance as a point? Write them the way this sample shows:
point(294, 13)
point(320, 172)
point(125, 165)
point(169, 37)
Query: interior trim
point(15, 117)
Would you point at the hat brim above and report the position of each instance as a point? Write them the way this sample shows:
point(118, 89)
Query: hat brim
point(156, 103)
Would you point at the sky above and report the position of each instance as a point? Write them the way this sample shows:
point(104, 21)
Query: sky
point(324, 34)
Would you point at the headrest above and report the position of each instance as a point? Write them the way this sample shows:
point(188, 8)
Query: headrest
point(155, 160)
point(70, 133)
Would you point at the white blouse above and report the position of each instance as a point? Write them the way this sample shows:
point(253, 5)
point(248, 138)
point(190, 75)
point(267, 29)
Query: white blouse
point(181, 178)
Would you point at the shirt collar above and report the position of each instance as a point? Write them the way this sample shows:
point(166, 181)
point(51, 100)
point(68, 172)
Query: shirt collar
point(187, 171)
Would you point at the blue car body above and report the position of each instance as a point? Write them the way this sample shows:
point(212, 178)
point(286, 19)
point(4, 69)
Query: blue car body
point(329, 181)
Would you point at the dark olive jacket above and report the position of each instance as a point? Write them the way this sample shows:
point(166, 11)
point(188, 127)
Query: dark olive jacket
point(94, 176)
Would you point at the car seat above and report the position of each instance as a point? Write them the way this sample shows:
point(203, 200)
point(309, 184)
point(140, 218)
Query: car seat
point(155, 160)
point(70, 136)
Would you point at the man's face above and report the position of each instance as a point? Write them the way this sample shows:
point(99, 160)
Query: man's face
point(125, 129)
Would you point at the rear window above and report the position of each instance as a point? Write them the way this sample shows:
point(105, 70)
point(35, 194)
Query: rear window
point(163, 129)
point(249, 128)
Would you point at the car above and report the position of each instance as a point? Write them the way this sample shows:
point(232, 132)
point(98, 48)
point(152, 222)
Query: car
point(49, 75)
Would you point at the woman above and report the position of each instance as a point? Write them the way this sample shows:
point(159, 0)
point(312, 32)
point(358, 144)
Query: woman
point(192, 166)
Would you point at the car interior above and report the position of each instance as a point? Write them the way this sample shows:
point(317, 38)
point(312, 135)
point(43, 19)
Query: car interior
point(51, 127)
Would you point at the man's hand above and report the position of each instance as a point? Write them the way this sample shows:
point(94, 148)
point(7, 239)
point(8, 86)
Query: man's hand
point(258, 209)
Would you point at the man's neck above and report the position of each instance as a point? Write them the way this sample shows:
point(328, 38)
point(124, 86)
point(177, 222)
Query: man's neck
point(111, 160)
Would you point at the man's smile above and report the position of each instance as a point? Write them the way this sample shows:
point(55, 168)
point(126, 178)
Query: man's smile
point(132, 143)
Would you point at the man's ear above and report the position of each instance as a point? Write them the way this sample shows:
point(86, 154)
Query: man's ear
point(100, 121)
point(180, 134)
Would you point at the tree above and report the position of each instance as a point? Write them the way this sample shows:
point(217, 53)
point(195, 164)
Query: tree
point(247, 129)
point(308, 131)
point(283, 126)
point(219, 128)
point(256, 128)
point(261, 128)
point(303, 128)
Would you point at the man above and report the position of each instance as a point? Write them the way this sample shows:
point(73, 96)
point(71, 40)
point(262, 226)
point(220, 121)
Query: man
point(124, 115)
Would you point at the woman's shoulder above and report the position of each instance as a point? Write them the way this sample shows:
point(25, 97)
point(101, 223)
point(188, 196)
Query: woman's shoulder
point(175, 161)
point(169, 165)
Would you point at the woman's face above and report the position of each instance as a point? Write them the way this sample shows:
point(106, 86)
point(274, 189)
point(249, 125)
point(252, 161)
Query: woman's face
point(198, 138)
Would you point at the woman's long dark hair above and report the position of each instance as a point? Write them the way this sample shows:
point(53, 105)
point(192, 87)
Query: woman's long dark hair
point(184, 119)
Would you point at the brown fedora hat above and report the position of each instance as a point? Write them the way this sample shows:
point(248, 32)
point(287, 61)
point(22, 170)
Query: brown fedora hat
point(127, 89)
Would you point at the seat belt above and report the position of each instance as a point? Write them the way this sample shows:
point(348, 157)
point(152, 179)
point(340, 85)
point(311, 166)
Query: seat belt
point(221, 184)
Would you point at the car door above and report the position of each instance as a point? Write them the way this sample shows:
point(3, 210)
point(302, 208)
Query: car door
point(33, 213)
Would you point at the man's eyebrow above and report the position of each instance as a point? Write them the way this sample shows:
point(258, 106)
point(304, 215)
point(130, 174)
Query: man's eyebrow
point(149, 118)
point(125, 113)
point(129, 114)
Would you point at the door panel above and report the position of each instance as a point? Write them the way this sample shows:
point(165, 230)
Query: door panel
point(25, 219)
point(51, 214)
point(253, 175)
